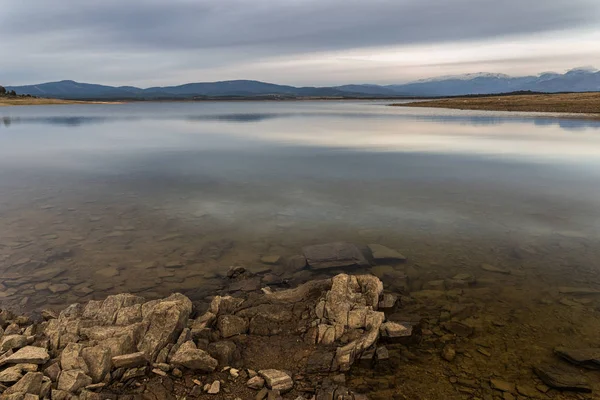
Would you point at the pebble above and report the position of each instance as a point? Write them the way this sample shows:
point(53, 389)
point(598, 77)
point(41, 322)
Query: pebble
point(448, 353)
point(159, 372)
point(502, 385)
point(214, 388)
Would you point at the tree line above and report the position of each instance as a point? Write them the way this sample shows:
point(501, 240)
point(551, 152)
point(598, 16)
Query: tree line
point(11, 93)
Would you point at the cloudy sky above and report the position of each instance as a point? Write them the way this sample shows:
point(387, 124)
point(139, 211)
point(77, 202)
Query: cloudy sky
point(299, 42)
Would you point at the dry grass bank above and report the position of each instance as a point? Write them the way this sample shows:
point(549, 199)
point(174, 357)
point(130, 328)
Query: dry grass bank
point(31, 101)
point(580, 103)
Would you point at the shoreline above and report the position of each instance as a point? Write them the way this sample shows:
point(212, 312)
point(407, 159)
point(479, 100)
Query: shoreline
point(29, 101)
point(343, 335)
point(562, 105)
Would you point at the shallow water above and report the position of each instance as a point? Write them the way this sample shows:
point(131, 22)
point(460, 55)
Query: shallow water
point(153, 198)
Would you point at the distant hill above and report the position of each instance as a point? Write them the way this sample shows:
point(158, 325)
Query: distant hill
point(234, 89)
point(575, 80)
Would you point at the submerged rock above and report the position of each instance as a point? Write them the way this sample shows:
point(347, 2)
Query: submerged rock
point(588, 357)
point(331, 255)
point(492, 268)
point(563, 378)
point(382, 253)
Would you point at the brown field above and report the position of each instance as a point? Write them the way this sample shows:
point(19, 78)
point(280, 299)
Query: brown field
point(580, 103)
point(30, 101)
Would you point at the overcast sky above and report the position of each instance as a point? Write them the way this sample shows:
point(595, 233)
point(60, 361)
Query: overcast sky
point(299, 42)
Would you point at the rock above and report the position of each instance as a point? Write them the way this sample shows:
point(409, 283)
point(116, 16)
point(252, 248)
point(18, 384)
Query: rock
point(262, 394)
point(71, 358)
point(388, 301)
point(448, 353)
point(256, 383)
point(224, 351)
point(28, 355)
point(31, 382)
point(577, 291)
point(465, 277)
point(587, 357)
point(382, 353)
point(232, 325)
point(98, 361)
point(295, 263)
point(165, 321)
point(502, 385)
point(106, 273)
point(73, 380)
point(130, 360)
point(193, 358)
point(332, 255)
point(274, 395)
point(59, 287)
point(53, 371)
point(394, 330)
point(270, 259)
point(435, 285)
point(320, 361)
point(11, 374)
point(12, 342)
point(234, 272)
point(563, 378)
point(382, 253)
point(215, 388)
point(159, 372)
point(133, 373)
point(12, 329)
point(458, 328)
point(60, 394)
point(491, 268)
point(277, 380)
point(224, 305)
point(528, 391)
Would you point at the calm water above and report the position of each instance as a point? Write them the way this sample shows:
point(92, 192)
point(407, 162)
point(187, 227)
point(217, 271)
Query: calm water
point(162, 197)
point(129, 188)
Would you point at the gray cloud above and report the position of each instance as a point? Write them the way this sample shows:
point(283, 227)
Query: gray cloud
point(68, 34)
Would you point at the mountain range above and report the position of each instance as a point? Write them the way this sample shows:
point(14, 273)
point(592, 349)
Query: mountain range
point(575, 80)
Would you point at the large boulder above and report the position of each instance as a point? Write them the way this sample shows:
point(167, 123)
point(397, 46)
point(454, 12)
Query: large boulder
point(165, 322)
point(333, 255)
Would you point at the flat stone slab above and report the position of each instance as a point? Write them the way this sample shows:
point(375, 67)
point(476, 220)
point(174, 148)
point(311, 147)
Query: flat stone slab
point(28, 355)
point(277, 380)
point(563, 378)
point(381, 252)
point(332, 255)
point(589, 357)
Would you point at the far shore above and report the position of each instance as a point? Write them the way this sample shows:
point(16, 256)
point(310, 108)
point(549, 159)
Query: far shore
point(33, 101)
point(586, 105)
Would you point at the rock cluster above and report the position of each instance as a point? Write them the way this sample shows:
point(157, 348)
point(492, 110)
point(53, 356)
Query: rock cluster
point(110, 346)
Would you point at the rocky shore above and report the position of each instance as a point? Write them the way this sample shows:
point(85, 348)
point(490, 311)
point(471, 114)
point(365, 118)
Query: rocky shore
point(314, 341)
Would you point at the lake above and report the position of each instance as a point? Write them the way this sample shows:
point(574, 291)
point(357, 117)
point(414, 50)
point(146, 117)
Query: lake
point(153, 198)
